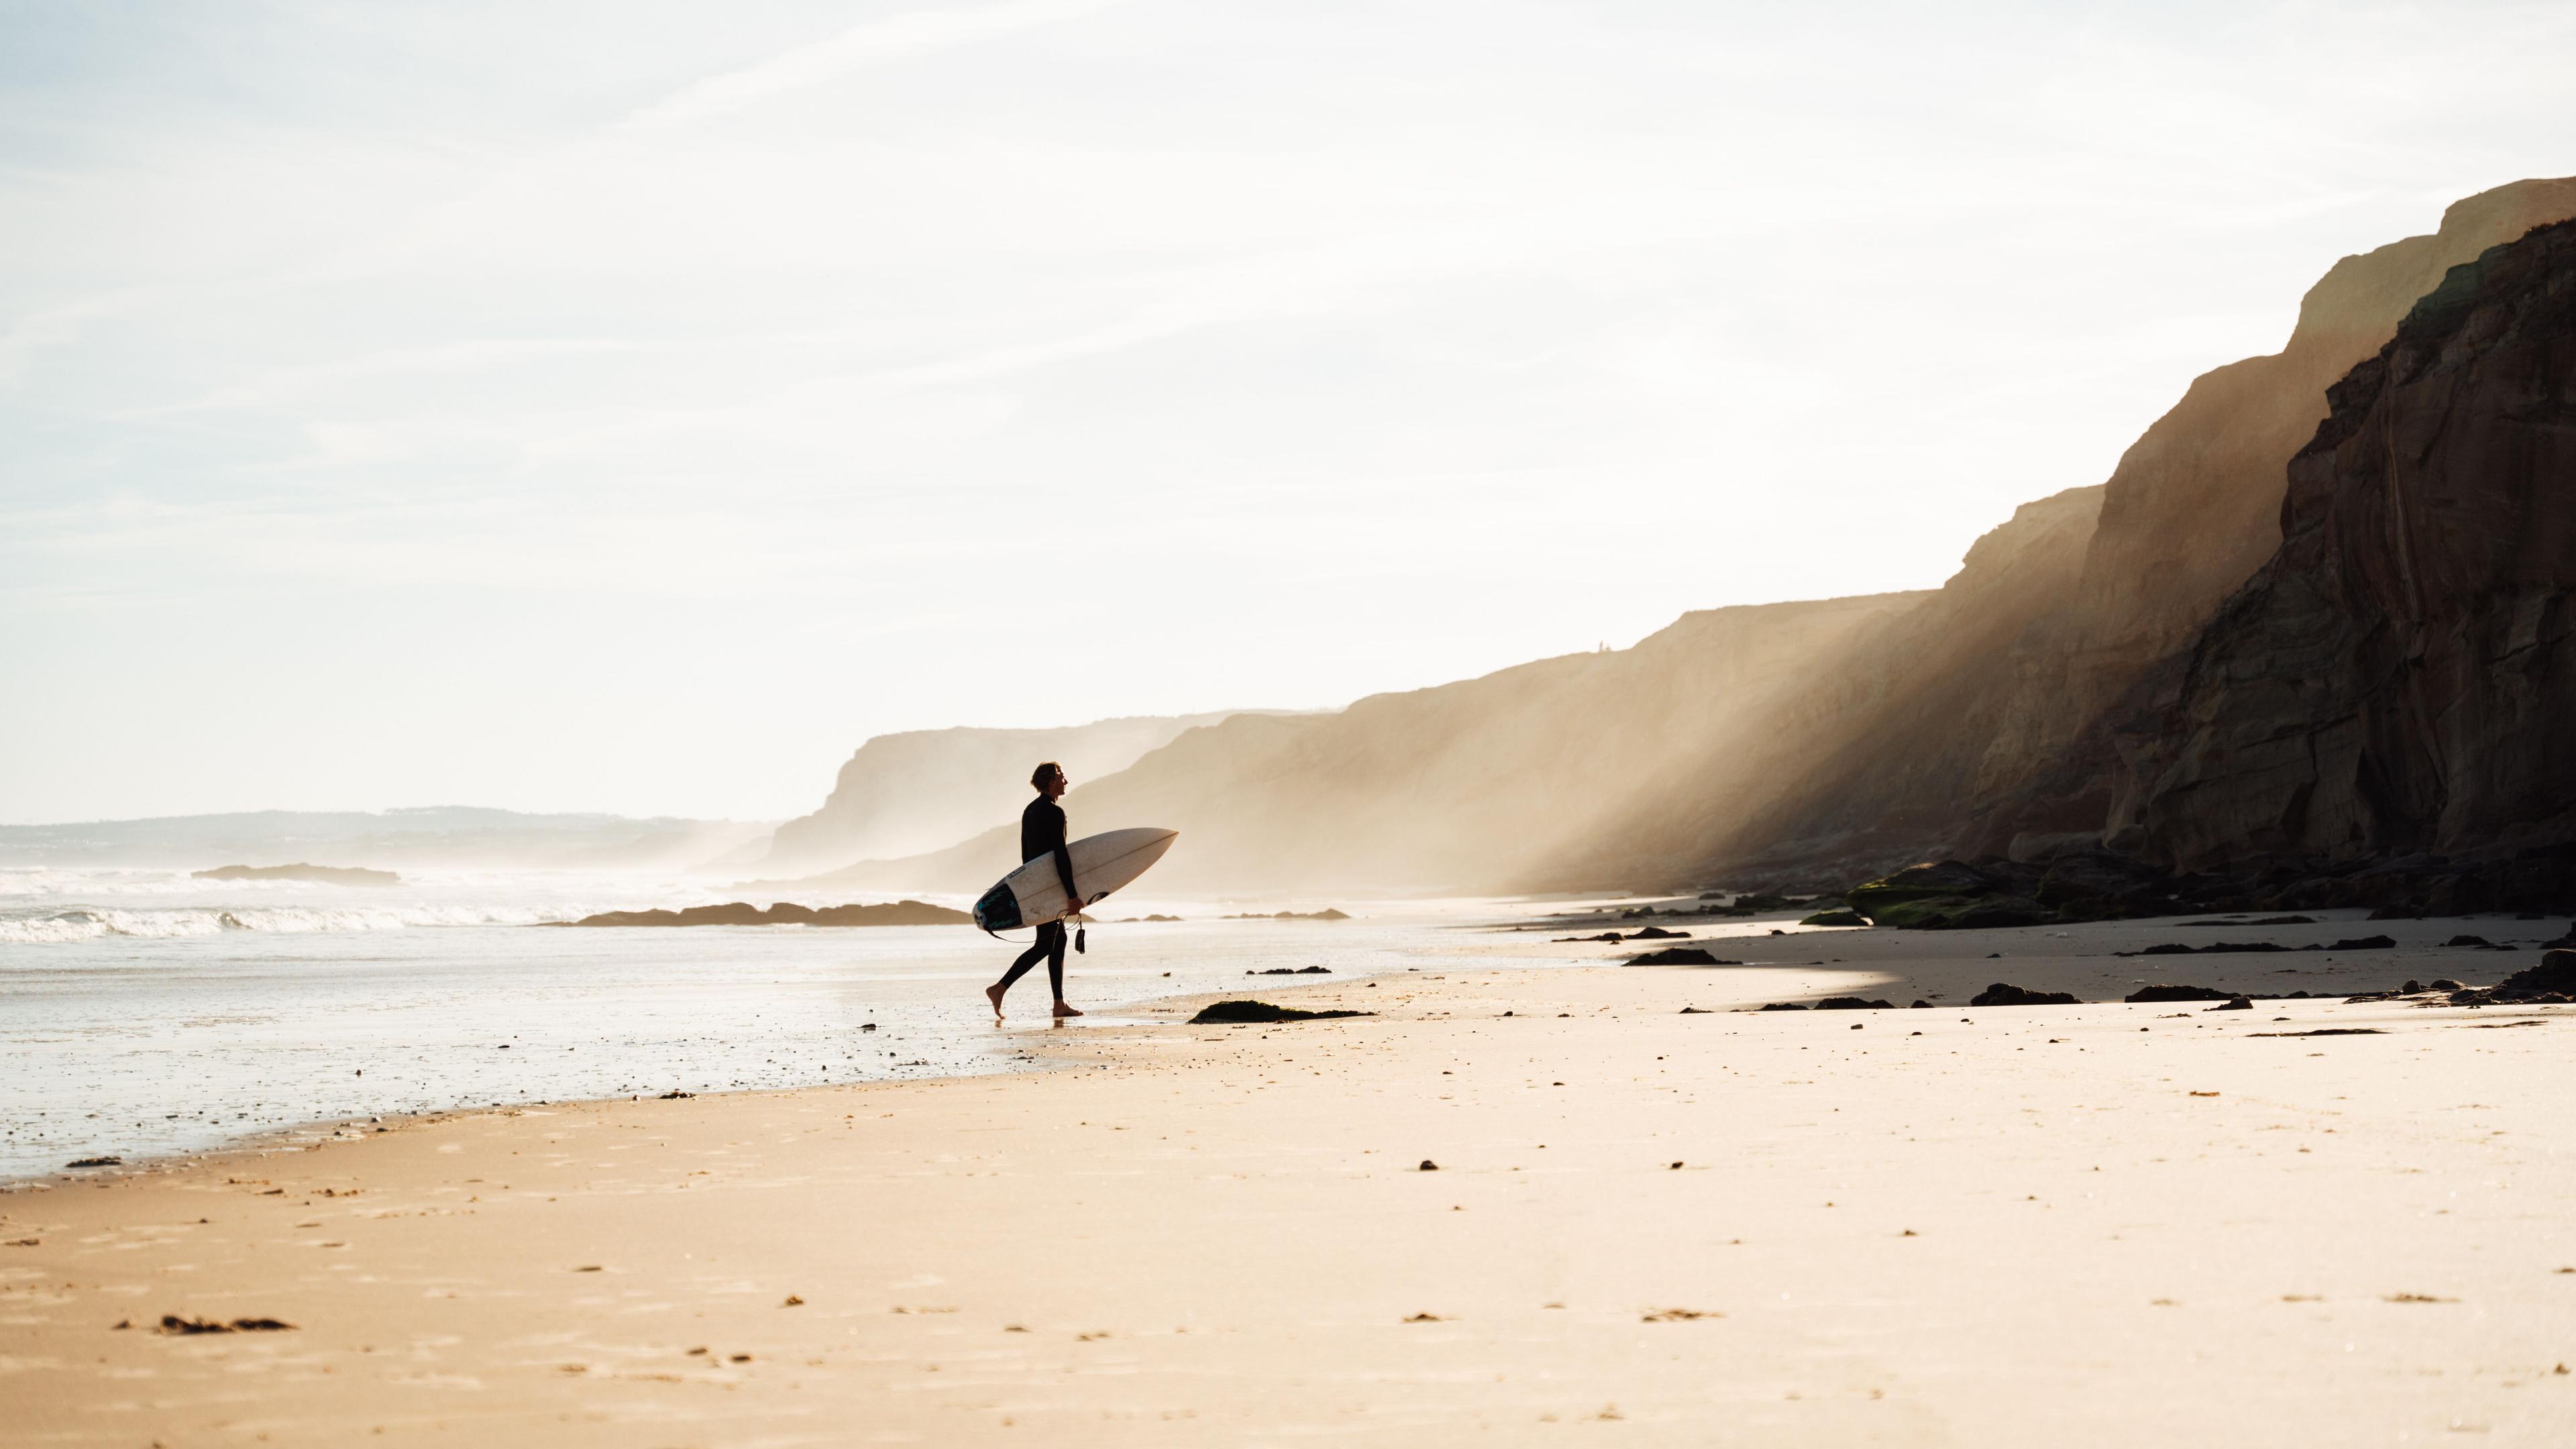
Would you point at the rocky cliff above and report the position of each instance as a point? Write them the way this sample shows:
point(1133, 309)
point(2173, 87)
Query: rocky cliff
point(902, 794)
point(1984, 724)
point(2189, 514)
point(2400, 676)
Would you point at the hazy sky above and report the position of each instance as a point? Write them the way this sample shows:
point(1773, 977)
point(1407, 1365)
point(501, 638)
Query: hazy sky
point(633, 406)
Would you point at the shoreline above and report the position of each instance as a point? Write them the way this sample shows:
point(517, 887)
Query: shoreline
point(2103, 1223)
point(320, 1131)
point(312, 1133)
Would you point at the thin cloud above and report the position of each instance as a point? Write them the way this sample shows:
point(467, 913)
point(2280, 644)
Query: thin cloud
point(895, 37)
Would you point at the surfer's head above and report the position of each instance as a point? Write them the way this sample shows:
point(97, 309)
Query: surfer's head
point(1049, 779)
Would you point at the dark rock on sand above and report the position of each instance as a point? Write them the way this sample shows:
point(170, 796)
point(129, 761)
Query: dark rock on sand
point(1784, 1006)
point(1604, 936)
point(339, 875)
point(1835, 918)
point(1926, 897)
point(2235, 1003)
point(1293, 971)
point(2364, 943)
point(2480, 942)
point(2097, 885)
point(2005, 994)
point(787, 913)
point(2214, 948)
point(1679, 956)
point(1853, 1003)
point(2554, 979)
point(173, 1323)
point(1239, 1013)
point(1996, 893)
point(1658, 933)
point(2177, 993)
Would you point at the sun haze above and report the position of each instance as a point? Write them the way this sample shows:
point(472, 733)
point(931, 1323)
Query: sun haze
point(634, 407)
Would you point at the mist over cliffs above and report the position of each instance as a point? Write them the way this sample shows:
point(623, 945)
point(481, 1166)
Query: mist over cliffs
point(902, 794)
point(1456, 787)
point(2214, 655)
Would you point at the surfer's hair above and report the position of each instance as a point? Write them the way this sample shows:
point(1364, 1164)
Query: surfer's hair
point(1044, 773)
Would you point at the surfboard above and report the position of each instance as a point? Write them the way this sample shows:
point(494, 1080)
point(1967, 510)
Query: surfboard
point(1034, 895)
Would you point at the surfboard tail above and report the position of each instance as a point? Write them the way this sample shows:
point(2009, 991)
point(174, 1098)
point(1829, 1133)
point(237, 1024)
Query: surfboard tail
point(998, 910)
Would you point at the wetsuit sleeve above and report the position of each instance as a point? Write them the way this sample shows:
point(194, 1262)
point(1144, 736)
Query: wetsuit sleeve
point(1064, 859)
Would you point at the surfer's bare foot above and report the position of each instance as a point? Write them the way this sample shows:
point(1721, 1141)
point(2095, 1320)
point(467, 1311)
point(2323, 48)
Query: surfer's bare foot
point(993, 994)
point(1063, 1010)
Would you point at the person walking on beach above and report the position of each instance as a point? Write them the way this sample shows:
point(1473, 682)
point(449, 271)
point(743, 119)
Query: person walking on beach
point(1042, 833)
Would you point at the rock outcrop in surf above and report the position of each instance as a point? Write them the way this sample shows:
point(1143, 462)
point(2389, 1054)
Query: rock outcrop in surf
point(786, 913)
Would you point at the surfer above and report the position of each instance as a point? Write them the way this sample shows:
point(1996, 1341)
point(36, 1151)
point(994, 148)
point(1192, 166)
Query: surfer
point(1042, 833)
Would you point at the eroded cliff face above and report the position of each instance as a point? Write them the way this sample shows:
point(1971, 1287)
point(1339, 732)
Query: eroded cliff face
point(2192, 509)
point(2189, 514)
point(2401, 675)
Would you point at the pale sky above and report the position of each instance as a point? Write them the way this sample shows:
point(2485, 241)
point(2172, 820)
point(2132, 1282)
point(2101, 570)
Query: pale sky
point(632, 406)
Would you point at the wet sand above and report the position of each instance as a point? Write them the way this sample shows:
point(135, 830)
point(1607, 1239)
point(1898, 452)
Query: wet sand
point(2102, 1224)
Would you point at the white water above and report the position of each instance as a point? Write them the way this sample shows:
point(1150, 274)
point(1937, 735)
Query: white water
point(144, 1013)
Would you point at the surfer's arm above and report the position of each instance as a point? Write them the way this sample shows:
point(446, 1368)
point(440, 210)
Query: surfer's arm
point(1063, 858)
point(1064, 872)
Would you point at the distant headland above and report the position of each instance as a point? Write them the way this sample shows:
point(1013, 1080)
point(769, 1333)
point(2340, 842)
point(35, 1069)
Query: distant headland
point(339, 875)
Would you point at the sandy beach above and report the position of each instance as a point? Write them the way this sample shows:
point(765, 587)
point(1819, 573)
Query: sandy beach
point(2102, 1224)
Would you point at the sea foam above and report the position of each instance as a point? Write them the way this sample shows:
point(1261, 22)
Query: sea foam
point(64, 927)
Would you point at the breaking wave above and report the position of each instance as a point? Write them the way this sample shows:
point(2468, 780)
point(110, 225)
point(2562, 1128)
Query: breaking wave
point(63, 927)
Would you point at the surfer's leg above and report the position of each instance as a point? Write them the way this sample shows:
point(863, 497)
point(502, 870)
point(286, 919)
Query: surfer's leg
point(1038, 951)
point(1048, 946)
point(1055, 975)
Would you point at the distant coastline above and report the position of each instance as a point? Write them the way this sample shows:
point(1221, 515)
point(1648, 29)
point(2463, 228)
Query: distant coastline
point(339, 875)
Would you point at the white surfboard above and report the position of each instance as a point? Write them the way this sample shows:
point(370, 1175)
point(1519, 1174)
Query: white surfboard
point(1034, 895)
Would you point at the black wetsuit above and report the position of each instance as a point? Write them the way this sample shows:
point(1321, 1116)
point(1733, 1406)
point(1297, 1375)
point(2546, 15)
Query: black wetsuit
point(1042, 833)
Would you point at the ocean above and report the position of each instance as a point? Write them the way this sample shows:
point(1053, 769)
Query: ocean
point(146, 1014)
